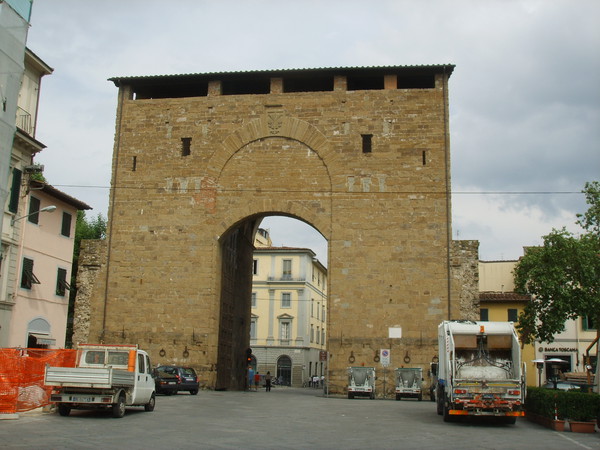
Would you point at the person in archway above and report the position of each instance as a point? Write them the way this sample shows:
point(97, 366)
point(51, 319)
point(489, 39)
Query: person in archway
point(256, 380)
point(268, 381)
point(250, 377)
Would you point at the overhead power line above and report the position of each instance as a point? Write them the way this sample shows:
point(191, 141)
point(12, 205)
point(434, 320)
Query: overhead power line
point(262, 190)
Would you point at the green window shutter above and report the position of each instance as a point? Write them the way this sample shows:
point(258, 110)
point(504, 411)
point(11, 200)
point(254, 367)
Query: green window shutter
point(66, 224)
point(34, 208)
point(61, 282)
point(15, 191)
point(28, 278)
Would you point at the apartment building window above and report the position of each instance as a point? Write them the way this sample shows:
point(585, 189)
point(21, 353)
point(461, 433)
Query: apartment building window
point(28, 278)
point(513, 315)
point(588, 323)
point(254, 299)
point(65, 229)
point(61, 282)
point(287, 269)
point(318, 307)
point(312, 306)
point(34, 208)
point(255, 267)
point(285, 330)
point(322, 335)
point(323, 313)
point(286, 300)
point(312, 333)
point(484, 314)
point(15, 191)
point(253, 329)
point(318, 335)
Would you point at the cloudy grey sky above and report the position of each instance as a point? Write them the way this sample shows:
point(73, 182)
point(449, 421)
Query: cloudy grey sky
point(524, 96)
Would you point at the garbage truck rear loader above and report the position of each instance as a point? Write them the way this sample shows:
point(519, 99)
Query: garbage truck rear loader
point(480, 371)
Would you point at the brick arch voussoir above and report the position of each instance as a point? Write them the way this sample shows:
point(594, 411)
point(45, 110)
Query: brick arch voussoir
point(288, 127)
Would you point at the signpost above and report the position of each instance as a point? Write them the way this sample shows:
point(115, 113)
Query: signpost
point(384, 359)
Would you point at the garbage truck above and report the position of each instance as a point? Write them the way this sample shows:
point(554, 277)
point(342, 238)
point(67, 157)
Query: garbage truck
point(480, 371)
point(408, 383)
point(361, 382)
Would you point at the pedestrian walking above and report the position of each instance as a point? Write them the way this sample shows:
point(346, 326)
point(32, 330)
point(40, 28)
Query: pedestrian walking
point(268, 381)
point(250, 377)
point(256, 380)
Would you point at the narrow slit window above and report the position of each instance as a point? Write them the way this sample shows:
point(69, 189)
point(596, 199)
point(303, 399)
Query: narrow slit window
point(367, 143)
point(186, 146)
point(424, 158)
point(134, 164)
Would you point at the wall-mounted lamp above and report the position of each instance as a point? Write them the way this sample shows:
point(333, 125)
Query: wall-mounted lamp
point(50, 208)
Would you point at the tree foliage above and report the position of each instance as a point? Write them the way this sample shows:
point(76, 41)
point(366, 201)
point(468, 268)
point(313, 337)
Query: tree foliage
point(562, 276)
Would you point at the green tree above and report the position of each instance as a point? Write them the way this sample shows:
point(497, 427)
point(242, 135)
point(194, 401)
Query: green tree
point(94, 228)
point(562, 276)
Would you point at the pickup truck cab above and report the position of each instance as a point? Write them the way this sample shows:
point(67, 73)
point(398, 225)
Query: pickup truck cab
point(106, 376)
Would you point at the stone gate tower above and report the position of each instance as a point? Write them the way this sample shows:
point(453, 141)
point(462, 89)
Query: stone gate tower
point(361, 154)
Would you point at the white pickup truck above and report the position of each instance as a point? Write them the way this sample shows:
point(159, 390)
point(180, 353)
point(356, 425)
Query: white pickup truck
point(106, 376)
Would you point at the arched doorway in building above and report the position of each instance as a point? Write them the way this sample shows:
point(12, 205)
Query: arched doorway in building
point(39, 335)
point(284, 370)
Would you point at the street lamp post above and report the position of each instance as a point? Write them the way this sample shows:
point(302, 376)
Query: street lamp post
point(50, 208)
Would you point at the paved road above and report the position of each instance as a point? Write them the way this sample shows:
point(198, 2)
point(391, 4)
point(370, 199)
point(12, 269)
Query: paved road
point(285, 418)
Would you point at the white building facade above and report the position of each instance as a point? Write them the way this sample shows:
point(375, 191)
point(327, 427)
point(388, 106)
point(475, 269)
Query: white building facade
point(289, 312)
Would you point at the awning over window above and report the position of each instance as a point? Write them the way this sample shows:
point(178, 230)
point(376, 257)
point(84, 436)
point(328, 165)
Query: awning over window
point(43, 339)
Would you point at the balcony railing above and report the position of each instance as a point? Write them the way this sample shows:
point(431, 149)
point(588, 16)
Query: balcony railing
point(25, 121)
point(286, 278)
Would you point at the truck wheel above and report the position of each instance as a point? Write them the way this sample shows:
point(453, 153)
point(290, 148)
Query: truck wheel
point(150, 405)
point(447, 416)
point(64, 410)
point(118, 409)
point(194, 391)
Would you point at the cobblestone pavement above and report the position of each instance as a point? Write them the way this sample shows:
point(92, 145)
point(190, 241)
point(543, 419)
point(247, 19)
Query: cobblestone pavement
point(285, 418)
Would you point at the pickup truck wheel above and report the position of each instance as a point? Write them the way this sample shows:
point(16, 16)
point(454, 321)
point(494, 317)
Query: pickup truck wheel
point(118, 409)
point(194, 391)
point(64, 410)
point(150, 405)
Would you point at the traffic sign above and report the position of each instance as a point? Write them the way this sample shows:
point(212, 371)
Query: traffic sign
point(384, 357)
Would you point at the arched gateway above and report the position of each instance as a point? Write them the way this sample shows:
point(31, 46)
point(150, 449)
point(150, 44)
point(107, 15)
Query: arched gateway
point(361, 154)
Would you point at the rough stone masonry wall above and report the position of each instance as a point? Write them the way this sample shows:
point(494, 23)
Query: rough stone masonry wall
point(385, 215)
point(92, 258)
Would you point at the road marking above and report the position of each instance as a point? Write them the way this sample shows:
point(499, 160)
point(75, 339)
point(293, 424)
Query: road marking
point(574, 441)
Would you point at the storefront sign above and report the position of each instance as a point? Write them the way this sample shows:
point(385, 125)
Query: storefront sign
point(557, 349)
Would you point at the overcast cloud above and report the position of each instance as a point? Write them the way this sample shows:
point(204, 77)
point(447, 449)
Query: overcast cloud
point(524, 96)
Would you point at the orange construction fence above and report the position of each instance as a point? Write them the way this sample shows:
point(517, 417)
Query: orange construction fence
point(22, 376)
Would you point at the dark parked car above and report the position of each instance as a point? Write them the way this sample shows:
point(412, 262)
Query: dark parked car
point(186, 377)
point(165, 383)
